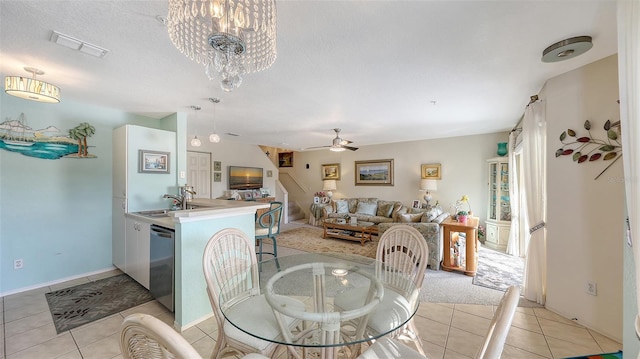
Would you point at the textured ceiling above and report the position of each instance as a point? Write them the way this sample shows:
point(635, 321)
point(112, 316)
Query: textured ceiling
point(383, 71)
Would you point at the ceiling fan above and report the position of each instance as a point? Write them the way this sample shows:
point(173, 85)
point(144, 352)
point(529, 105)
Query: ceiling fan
point(338, 144)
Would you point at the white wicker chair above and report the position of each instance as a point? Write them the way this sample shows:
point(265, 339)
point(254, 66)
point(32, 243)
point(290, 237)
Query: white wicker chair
point(229, 257)
point(492, 347)
point(500, 325)
point(403, 250)
point(145, 337)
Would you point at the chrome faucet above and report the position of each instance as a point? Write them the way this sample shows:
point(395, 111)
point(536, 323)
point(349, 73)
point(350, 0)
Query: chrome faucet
point(179, 199)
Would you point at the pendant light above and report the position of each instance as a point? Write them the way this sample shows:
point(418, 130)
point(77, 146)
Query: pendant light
point(214, 137)
point(30, 88)
point(195, 142)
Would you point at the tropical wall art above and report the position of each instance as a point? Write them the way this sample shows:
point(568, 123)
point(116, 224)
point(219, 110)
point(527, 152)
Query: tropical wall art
point(48, 143)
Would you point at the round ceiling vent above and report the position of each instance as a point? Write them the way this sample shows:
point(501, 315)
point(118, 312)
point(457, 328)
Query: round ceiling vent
point(567, 49)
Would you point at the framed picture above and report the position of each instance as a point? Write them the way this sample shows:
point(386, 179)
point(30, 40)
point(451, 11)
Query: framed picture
point(217, 176)
point(217, 166)
point(331, 171)
point(415, 204)
point(153, 162)
point(374, 173)
point(248, 195)
point(431, 171)
point(316, 199)
point(285, 159)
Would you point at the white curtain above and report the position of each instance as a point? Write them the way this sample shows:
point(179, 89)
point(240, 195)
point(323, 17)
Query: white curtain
point(534, 144)
point(513, 245)
point(629, 82)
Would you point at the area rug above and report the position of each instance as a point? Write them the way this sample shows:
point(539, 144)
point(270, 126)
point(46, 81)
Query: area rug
point(497, 270)
point(309, 239)
point(617, 355)
point(84, 303)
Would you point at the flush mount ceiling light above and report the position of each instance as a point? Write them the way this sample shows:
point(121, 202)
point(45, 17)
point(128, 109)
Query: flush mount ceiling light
point(230, 38)
point(214, 137)
point(567, 49)
point(30, 88)
point(78, 45)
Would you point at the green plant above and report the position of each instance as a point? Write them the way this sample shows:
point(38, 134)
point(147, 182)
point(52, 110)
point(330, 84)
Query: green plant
point(462, 213)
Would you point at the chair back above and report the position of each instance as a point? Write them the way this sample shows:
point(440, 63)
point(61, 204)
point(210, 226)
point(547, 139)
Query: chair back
point(143, 336)
point(403, 250)
point(500, 324)
point(229, 264)
point(270, 221)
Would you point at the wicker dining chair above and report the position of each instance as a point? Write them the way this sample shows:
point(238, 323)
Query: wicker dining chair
point(230, 258)
point(143, 336)
point(404, 255)
point(492, 347)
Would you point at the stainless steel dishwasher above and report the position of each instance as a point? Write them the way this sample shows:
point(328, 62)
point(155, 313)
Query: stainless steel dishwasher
point(161, 271)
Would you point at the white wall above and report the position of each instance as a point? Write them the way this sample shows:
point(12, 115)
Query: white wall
point(463, 160)
point(585, 216)
point(236, 154)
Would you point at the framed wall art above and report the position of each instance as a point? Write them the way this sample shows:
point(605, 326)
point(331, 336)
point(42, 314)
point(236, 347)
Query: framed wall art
point(217, 166)
point(331, 171)
point(431, 171)
point(374, 173)
point(415, 203)
point(153, 162)
point(285, 159)
point(217, 176)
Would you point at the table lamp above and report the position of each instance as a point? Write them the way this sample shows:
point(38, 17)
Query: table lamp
point(329, 185)
point(428, 185)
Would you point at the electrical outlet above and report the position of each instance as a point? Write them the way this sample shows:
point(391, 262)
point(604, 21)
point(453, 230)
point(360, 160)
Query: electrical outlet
point(18, 263)
point(591, 288)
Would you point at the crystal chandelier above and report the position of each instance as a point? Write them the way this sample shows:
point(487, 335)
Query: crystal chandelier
point(230, 38)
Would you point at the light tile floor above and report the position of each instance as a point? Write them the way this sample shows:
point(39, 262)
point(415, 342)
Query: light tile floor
point(449, 331)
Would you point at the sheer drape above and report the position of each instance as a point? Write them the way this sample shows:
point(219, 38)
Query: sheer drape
point(513, 245)
point(629, 82)
point(534, 170)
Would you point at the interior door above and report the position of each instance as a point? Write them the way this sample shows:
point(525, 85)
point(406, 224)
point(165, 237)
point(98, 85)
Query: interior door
point(199, 173)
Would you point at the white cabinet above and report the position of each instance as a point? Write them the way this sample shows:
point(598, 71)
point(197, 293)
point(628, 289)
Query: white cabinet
point(498, 221)
point(118, 241)
point(137, 250)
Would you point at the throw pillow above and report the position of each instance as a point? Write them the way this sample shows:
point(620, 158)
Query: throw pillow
point(410, 217)
point(367, 208)
point(440, 218)
point(342, 206)
point(385, 209)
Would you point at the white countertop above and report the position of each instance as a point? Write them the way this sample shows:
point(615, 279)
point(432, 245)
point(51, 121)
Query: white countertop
point(210, 209)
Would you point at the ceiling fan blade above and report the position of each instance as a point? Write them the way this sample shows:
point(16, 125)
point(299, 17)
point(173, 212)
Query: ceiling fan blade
point(350, 148)
point(308, 148)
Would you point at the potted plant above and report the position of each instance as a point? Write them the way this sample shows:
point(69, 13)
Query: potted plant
point(462, 216)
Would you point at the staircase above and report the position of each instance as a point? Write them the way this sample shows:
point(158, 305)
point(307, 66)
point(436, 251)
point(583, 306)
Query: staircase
point(295, 213)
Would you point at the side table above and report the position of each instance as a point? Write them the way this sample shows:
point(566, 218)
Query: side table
point(315, 213)
point(470, 229)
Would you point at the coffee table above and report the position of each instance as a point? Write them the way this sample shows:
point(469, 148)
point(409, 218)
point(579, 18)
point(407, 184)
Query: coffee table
point(359, 232)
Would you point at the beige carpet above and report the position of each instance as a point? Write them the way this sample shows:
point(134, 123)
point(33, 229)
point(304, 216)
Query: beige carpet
point(309, 239)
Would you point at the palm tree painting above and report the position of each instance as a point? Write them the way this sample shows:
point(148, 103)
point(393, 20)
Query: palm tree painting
point(80, 134)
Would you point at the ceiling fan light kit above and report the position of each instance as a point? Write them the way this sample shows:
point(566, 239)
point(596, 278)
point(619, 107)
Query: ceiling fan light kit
point(338, 144)
point(567, 49)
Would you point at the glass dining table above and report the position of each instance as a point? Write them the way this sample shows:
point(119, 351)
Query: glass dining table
point(326, 304)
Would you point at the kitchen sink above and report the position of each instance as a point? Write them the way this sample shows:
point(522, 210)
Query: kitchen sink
point(154, 213)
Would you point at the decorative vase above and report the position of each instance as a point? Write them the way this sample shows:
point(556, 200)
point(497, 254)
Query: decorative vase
point(462, 219)
point(502, 148)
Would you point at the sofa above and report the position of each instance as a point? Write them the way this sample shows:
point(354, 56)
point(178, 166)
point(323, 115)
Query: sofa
point(371, 210)
point(427, 222)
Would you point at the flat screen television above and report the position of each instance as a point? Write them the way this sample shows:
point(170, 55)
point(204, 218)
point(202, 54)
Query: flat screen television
point(245, 177)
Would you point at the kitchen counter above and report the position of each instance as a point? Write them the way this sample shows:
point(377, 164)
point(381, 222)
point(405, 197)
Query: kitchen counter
point(209, 209)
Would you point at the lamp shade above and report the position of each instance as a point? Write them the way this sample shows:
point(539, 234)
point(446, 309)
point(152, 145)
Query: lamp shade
point(429, 185)
point(329, 185)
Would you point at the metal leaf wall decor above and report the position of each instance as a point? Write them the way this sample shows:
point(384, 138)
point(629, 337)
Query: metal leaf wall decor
point(588, 148)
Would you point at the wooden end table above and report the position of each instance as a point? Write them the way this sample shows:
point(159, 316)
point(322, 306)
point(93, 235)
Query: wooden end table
point(360, 232)
point(470, 229)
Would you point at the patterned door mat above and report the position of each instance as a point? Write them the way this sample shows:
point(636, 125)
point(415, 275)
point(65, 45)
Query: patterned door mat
point(498, 270)
point(84, 303)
